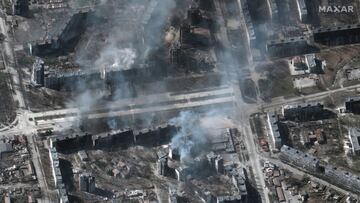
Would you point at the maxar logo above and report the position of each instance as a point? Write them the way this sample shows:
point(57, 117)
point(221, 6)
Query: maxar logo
point(336, 9)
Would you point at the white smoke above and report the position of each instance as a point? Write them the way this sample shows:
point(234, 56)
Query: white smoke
point(128, 29)
point(113, 57)
point(190, 135)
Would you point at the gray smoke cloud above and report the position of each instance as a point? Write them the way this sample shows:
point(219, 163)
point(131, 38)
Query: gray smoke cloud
point(116, 58)
point(123, 33)
point(191, 135)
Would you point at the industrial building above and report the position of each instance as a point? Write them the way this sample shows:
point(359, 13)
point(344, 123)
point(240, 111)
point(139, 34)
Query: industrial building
point(299, 159)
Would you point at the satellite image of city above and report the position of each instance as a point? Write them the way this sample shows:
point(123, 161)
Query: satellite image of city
point(180, 101)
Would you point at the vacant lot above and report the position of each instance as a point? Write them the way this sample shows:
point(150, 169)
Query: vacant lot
point(278, 82)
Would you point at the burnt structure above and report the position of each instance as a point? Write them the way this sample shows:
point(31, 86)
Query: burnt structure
point(21, 8)
point(87, 183)
point(95, 78)
point(250, 31)
point(353, 106)
point(162, 165)
point(114, 139)
point(38, 72)
point(64, 41)
point(340, 35)
point(225, 141)
point(175, 198)
point(216, 162)
point(57, 175)
point(190, 50)
point(307, 113)
point(238, 181)
point(289, 47)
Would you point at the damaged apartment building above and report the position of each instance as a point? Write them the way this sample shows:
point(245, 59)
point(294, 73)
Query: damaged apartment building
point(210, 166)
point(63, 39)
point(328, 36)
point(123, 137)
point(191, 46)
point(352, 105)
point(190, 49)
point(213, 177)
point(308, 39)
point(277, 122)
point(312, 165)
point(104, 141)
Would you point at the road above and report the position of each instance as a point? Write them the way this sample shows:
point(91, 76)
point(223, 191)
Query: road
point(137, 106)
point(21, 127)
point(10, 63)
point(244, 112)
point(307, 98)
point(35, 155)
